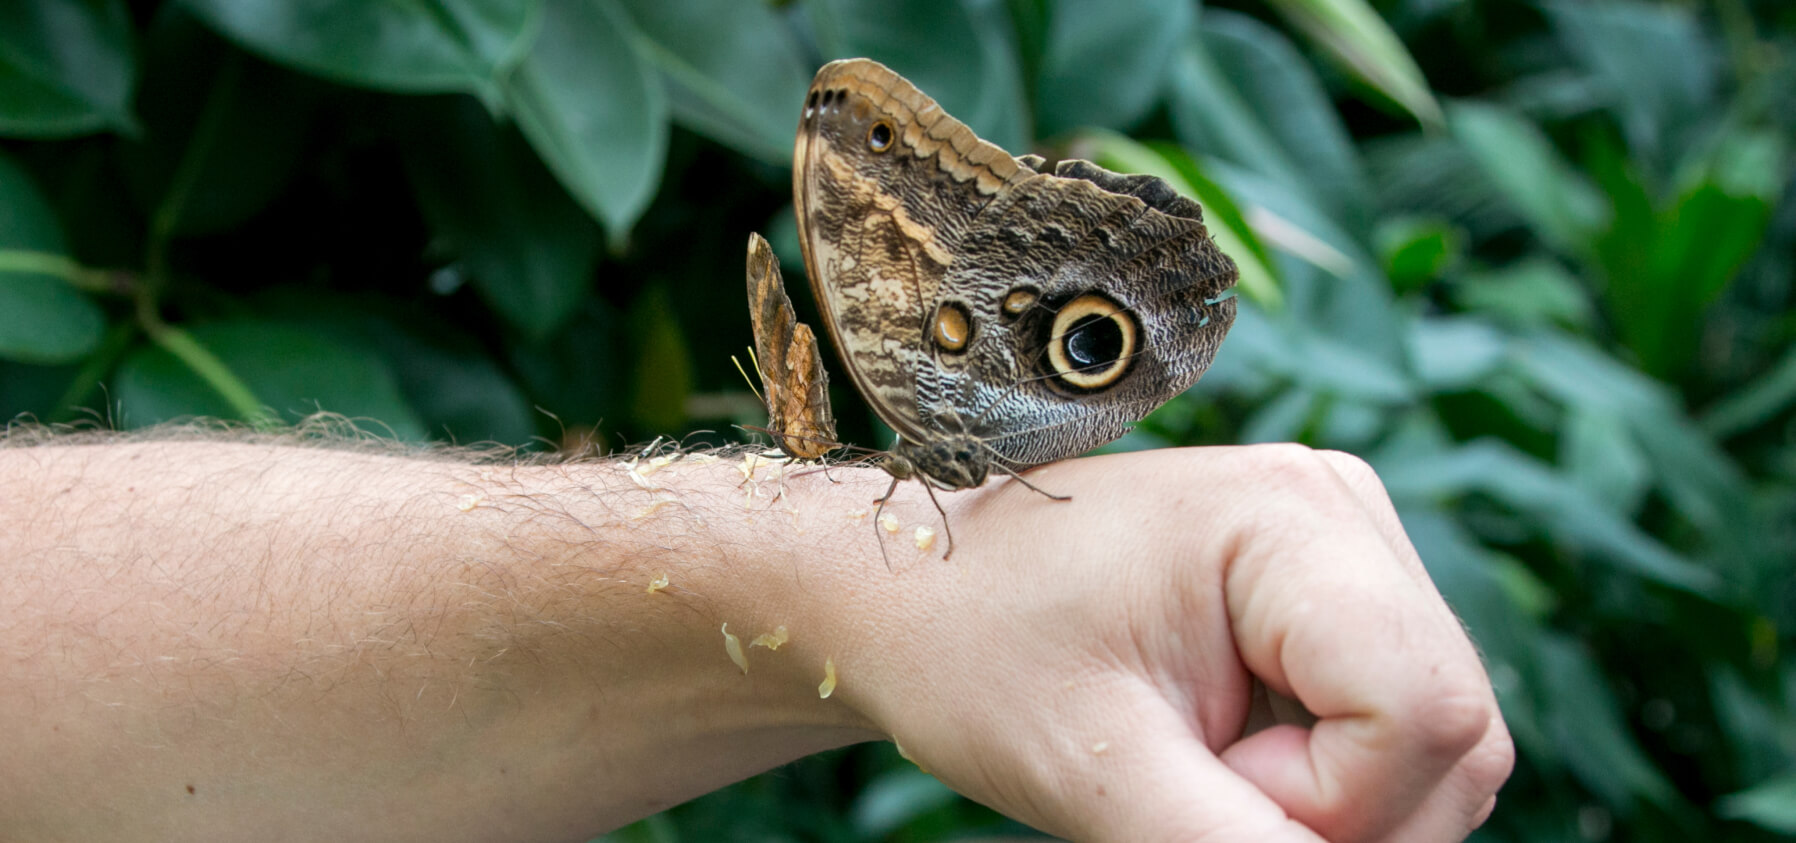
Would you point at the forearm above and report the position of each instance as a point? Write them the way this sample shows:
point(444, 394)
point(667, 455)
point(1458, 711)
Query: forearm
point(206, 640)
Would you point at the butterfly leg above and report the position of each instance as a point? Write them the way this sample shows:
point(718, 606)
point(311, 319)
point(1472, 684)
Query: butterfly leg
point(1031, 486)
point(946, 530)
point(877, 510)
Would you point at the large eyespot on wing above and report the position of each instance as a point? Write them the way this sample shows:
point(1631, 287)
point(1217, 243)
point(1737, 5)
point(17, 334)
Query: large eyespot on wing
point(1091, 344)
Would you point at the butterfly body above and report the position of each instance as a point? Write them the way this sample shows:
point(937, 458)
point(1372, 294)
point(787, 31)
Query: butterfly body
point(993, 315)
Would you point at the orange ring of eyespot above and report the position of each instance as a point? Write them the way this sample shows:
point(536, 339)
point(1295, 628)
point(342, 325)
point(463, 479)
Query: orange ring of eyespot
point(1078, 309)
point(950, 328)
point(891, 136)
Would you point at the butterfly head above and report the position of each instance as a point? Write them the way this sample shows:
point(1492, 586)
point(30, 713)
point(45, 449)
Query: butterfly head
point(955, 460)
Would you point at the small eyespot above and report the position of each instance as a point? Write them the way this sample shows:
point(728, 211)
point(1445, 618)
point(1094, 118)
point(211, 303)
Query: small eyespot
point(951, 329)
point(1092, 342)
point(880, 137)
point(1018, 301)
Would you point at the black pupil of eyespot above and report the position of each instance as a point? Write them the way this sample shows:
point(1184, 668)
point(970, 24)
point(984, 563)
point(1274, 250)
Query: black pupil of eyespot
point(882, 135)
point(1094, 342)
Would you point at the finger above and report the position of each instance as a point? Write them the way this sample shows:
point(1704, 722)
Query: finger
point(1324, 610)
point(1158, 781)
point(1465, 799)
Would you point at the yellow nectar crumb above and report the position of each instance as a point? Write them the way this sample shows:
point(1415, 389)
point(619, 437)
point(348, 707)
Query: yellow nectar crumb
point(468, 502)
point(1099, 747)
point(657, 583)
point(733, 646)
point(857, 514)
point(906, 756)
point(925, 537)
point(889, 523)
point(772, 640)
point(828, 685)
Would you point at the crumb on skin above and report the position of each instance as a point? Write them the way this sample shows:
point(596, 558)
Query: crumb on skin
point(925, 537)
point(772, 640)
point(468, 502)
point(889, 523)
point(1100, 747)
point(828, 685)
point(657, 583)
point(733, 646)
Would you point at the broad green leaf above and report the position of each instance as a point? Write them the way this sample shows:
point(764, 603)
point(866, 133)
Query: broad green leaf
point(66, 68)
point(528, 249)
point(1224, 220)
point(1415, 250)
point(294, 372)
point(1699, 478)
point(223, 132)
point(952, 50)
point(1351, 33)
point(420, 46)
point(1282, 90)
point(1557, 202)
point(1651, 61)
point(1600, 453)
point(1455, 353)
point(732, 71)
point(1584, 718)
point(894, 799)
point(594, 110)
point(1213, 118)
point(1105, 64)
point(1756, 403)
point(1533, 292)
point(1556, 506)
point(1770, 804)
point(43, 318)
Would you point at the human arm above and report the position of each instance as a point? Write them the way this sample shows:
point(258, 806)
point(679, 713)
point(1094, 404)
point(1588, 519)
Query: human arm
point(355, 646)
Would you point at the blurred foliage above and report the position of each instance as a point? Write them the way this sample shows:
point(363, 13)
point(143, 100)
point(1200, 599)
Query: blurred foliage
point(1536, 267)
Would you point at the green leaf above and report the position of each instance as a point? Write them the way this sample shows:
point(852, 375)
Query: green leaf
point(1531, 292)
point(732, 71)
point(420, 46)
point(594, 110)
point(1105, 64)
point(1584, 718)
point(895, 798)
point(1556, 201)
point(65, 68)
point(1455, 353)
point(223, 132)
point(528, 249)
point(1770, 804)
point(1650, 61)
point(43, 319)
point(1282, 91)
point(1561, 509)
point(1756, 403)
point(1415, 250)
point(957, 51)
point(294, 371)
point(1351, 33)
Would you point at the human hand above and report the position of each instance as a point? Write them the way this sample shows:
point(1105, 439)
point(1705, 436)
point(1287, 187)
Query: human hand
point(1087, 667)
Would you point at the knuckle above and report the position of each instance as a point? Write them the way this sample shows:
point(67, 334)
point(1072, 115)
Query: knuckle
point(1453, 717)
point(1297, 470)
point(1489, 764)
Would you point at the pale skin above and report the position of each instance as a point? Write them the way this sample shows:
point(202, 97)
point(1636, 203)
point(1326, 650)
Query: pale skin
point(204, 640)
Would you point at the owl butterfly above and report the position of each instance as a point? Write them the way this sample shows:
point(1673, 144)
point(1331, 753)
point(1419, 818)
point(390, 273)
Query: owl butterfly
point(791, 369)
point(995, 316)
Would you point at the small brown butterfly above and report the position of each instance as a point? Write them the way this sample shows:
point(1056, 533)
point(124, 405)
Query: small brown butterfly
point(791, 369)
point(995, 316)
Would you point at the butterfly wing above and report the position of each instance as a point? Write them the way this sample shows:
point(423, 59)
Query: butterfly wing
point(792, 375)
point(885, 185)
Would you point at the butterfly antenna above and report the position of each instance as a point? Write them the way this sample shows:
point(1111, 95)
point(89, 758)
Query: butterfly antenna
point(744, 372)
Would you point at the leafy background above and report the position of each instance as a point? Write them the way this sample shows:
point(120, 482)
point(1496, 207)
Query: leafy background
point(1533, 260)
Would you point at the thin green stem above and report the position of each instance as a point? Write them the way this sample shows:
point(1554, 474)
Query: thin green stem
point(57, 266)
point(98, 364)
point(215, 373)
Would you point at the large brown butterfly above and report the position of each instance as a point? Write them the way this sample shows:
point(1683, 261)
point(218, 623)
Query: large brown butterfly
point(995, 316)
